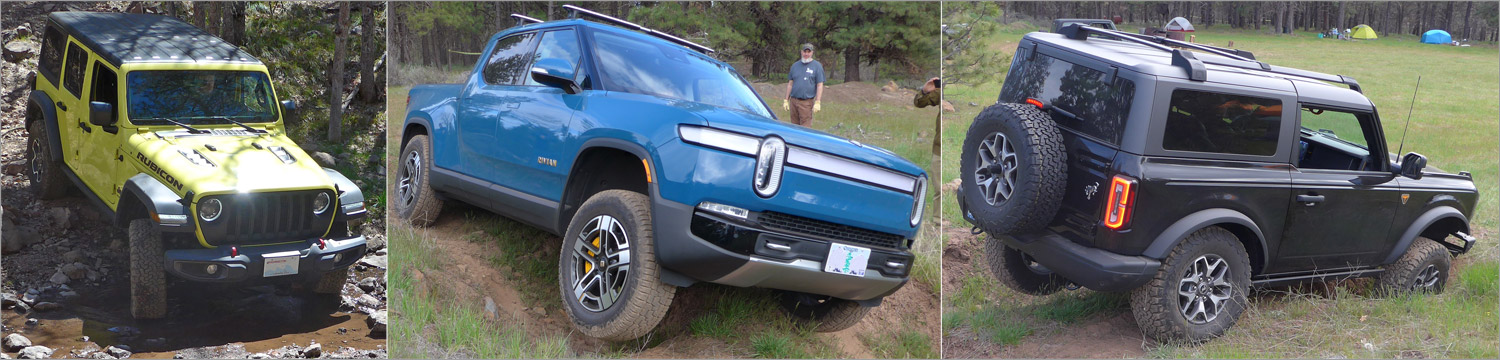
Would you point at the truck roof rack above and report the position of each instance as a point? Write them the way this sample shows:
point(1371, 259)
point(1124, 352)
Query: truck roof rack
point(576, 12)
point(523, 19)
point(1185, 59)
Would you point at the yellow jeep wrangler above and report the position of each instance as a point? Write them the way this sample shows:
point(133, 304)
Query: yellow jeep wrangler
point(178, 136)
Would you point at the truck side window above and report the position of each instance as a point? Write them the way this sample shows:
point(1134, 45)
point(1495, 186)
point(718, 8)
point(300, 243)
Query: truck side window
point(52, 54)
point(507, 64)
point(1334, 140)
point(1208, 122)
point(73, 71)
point(561, 44)
point(105, 87)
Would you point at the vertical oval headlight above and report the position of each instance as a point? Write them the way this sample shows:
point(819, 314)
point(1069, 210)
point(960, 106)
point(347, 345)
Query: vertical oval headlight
point(920, 201)
point(320, 203)
point(768, 166)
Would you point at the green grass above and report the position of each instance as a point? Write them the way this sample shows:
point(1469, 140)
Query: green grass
point(1453, 125)
point(903, 344)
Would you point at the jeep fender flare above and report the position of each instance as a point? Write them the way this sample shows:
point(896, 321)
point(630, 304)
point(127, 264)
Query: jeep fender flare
point(1175, 234)
point(153, 197)
point(49, 115)
point(1421, 224)
point(348, 194)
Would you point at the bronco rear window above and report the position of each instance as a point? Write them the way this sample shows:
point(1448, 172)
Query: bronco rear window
point(1101, 108)
point(1208, 122)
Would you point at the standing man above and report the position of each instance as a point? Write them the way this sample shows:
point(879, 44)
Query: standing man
point(804, 93)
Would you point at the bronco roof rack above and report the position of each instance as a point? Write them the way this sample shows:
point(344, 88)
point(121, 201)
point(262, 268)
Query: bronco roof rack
point(576, 12)
point(1196, 72)
point(523, 19)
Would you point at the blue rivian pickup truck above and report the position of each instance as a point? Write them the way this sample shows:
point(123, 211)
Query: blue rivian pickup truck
point(660, 167)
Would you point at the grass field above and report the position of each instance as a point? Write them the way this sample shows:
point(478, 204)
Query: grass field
point(1453, 124)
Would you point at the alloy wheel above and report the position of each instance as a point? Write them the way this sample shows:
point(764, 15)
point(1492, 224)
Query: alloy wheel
point(411, 178)
point(1204, 289)
point(1427, 279)
point(996, 173)
point(601, 263)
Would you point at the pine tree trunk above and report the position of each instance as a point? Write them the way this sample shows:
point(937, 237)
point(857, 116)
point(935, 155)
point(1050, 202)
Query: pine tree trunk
point(233, 23)
point(1468, 10)
point(851, 64)
point(336, 77)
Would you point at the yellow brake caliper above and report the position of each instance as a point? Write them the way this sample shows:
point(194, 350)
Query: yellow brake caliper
point(587, 266)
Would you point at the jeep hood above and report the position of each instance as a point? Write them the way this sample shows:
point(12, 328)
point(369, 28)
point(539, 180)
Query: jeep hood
point(756, 125)
point(239, 165)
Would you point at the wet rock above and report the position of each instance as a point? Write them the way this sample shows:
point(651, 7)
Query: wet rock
point(374, 261)
point(370, 284)
point(14, 167)
point(75, 271)
point(377, 322)
point(15, 342)
point(35, 352)
point(368, 300)
point(31, 322)
point(322, 158)
point(46, 306)
point(16, 51)
point(313, 351)
point(9, 300)
point(59, 277)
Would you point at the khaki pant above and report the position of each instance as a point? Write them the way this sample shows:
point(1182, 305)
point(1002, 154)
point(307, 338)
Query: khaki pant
point(802, 112)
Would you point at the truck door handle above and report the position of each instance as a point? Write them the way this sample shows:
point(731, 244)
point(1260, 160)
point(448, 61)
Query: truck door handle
point(1310, 199)
point(61, 105)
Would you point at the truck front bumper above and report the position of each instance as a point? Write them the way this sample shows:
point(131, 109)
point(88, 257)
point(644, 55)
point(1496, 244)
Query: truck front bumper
point(761, 257)
point(247, 263)
point(1093, 268)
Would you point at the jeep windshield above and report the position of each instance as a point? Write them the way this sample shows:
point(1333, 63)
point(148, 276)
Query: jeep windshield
point(635, 66)
point(197, 97)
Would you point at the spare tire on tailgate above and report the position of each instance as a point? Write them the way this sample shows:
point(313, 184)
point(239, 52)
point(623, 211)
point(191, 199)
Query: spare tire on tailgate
point(1013, 169)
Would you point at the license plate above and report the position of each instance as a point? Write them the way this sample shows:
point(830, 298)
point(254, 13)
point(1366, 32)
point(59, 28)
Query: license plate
point(282, 265)
point(847, 260)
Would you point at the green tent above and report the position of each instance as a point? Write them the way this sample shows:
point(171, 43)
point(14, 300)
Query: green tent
point(1363, 32)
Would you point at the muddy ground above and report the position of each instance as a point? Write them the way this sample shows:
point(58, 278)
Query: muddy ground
point(66, 276)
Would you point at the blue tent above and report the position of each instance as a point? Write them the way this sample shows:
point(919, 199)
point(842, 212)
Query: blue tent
point(1436, 37)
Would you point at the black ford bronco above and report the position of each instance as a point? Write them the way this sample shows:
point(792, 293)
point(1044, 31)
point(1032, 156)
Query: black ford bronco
point(1186, 173)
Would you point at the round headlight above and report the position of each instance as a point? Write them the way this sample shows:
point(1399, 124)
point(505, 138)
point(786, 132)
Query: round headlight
point(209, 210)
point(320, 203)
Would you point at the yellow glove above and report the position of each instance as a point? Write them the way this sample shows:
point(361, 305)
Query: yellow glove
point(786, 105)
point(818, 106)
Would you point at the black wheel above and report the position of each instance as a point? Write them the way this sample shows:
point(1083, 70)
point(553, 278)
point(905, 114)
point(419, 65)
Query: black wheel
point(415, 201)
point(45, 173)
point(1423, 268)
point(331, 282)
point(1018, 271)
point(829, 313)
point(1199, 292)
point(1013, 169)
point(607, 271)
point(148, 281)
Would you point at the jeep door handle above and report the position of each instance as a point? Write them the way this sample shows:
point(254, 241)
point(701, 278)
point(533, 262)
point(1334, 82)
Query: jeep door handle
point(1310, 199)
point(85, 127)
point(61, 105)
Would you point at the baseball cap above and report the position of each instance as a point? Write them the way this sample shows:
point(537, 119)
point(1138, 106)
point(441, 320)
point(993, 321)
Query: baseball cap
point(806, 47)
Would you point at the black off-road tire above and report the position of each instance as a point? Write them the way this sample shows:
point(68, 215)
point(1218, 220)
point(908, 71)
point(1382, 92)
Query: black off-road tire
point(644, 298)
point(1014, 269)
point(1040, 169)
point(830, 314)
point(45, 173)
point(1400, 277)
point(424, 208)
point(331, 282)
point(148, 281)
point(1156, 304)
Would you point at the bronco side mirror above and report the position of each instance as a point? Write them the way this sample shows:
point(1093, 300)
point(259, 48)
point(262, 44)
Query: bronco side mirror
point(102, 114)
point(1412, 165)
point(555, 73)
point(288, 111)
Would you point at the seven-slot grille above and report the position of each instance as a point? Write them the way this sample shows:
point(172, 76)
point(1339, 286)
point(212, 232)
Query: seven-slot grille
point(798, 224)
point(271, 217)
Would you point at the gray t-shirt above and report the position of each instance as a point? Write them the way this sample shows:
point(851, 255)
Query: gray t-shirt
point(805, 78)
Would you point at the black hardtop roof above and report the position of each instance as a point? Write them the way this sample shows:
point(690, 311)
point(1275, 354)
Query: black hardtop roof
point(136, 38)
point(1312, 87)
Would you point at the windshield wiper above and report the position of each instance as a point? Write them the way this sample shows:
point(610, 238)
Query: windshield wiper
point(190, 129)
point(247, 127)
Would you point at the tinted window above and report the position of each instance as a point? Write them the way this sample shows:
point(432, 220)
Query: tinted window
point(105, 87)
point(507, 64)
point(1221, 123)
point(1101, 107)
point(200, 96)
point(652, 68)
point(52, 54)
point(73, 72)
point(561, 44)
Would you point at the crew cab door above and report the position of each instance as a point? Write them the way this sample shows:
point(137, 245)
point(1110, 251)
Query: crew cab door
point(490, 97)
point(103, 142)
point(83, 144)
point(1343, 195)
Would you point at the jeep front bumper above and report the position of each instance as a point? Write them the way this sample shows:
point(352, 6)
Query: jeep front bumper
point(247, 263)
point(1093, 268)
point(762, 257)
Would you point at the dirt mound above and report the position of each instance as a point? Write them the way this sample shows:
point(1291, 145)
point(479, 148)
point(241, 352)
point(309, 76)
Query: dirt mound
point(849, 93)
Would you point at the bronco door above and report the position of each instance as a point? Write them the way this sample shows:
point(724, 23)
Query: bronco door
point(1343, 196)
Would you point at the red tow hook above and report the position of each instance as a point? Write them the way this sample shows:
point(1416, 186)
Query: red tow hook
point(234, 251)
point(322, 244)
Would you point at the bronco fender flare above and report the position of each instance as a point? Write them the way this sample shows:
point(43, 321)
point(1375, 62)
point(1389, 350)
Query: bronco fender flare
point(1180, 230)
point(49, 115)
point(351, 198)
point(1421, 224)
point(154, 198)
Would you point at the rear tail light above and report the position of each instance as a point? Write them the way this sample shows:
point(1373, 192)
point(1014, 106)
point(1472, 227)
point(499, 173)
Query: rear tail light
point(1121, 202)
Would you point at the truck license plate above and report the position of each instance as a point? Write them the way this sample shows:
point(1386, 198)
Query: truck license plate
point(847, 260)
point(281, 265)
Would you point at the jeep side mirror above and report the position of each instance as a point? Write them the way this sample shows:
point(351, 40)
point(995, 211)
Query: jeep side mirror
point(1412, 165)
point(555, 73)
point(288, 111)
point(101, 114)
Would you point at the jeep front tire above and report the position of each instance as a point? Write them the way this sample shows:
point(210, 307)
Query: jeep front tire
point(1012, 169)
point(148, 281)
point(828, 313)
point(415, 200)
point(1199, 291)
point(1423, 268)
point(44, 172)
point(607, 271)
point(1019, 272)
